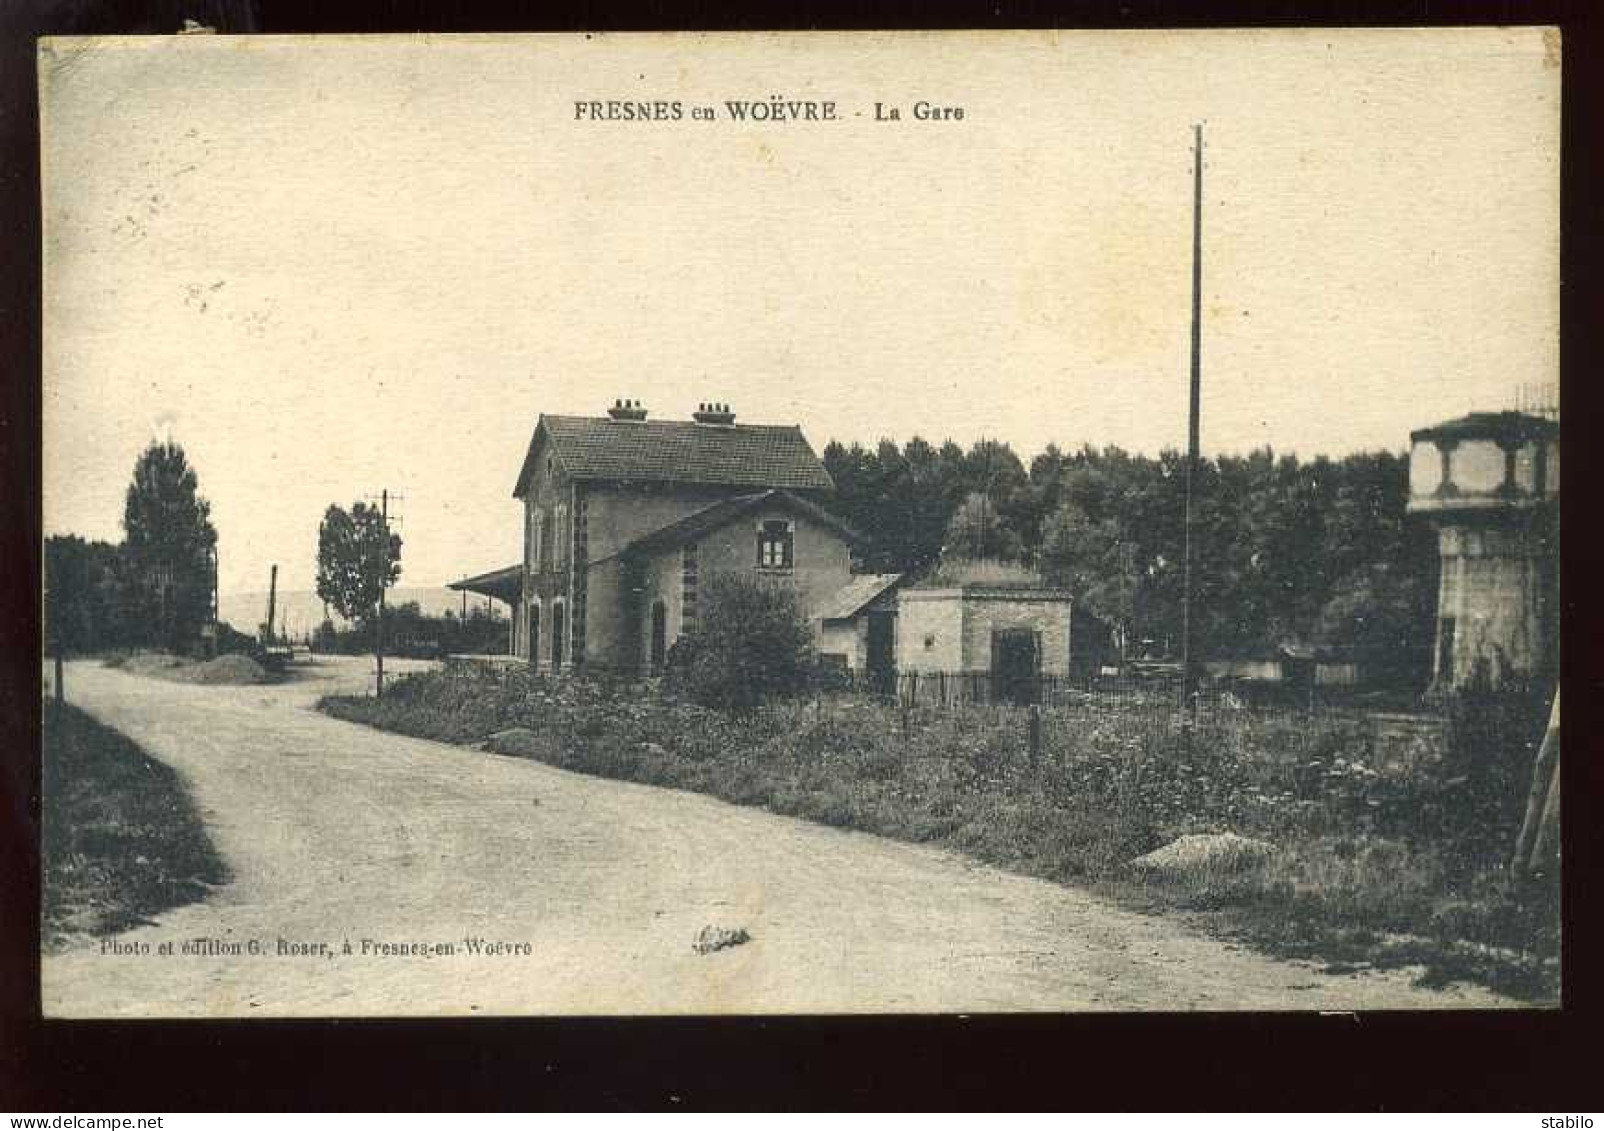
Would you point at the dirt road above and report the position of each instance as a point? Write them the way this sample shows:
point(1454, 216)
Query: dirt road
point(339, 834)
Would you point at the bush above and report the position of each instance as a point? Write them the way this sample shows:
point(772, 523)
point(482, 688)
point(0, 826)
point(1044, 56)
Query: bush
point(751, 644)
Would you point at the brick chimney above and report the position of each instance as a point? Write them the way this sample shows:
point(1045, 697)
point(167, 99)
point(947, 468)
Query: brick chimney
point(627, 410)
point(713, 413)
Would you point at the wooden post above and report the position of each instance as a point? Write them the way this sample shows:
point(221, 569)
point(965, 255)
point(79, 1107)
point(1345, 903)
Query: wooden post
point(1545, 845)
point(61, 695)
point(1541, 801)
point(1034, 728)
point(1188, 621)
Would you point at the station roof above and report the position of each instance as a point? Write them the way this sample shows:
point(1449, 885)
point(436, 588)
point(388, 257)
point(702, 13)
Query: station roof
point(503, 584)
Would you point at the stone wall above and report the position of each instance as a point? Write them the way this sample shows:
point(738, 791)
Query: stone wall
point(547, 568)
point(849, 638)
point(929, 630)
point(619, 514)
point(1491, 590)
point(1048, 617)
point(950, 630)
point(821, 561)
point(607, 634)
point(620, 597)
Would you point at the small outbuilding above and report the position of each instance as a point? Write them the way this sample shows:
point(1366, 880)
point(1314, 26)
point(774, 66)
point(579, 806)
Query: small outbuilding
point(857, 625)
point(993, 640)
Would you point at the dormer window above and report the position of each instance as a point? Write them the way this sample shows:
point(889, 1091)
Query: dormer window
point(774, 543)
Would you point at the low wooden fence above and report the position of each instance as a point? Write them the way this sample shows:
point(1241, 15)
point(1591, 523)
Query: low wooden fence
point(1151, 708)
point(963, 689)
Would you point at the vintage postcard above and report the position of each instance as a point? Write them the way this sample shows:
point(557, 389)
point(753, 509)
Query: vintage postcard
point(800, 523)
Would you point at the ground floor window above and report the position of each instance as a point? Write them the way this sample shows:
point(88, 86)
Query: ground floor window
point(558, 613)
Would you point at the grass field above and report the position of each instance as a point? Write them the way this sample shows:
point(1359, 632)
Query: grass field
point(1372, 864)
point(121, 841)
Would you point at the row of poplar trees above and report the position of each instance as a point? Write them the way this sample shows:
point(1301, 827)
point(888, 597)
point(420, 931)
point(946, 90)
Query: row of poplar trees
point(1290, 551)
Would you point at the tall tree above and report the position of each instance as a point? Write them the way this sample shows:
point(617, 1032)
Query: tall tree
point(358, 557)
point(1291, 551)
point(1096, 560)
point(977, 531)
point(169, 547)
point(86, 603)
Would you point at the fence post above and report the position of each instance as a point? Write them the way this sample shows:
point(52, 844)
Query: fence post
point(60, 673)
point(1034, 727)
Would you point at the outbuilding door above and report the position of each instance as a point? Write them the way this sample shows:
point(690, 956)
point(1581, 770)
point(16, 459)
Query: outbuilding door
point(880, 658)
point(1015, 666)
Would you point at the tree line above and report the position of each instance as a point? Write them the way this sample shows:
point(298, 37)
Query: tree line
point(1289, 552)
point(151, 590)
point(411, 632)
point(155, 588)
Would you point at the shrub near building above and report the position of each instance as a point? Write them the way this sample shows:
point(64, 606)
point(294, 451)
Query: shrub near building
point(751, 644)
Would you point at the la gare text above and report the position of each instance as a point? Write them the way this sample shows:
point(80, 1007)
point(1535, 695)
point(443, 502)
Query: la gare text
point(758, 110)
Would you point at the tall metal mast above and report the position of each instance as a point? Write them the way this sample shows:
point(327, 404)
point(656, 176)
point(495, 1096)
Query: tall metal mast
point(1188, 656)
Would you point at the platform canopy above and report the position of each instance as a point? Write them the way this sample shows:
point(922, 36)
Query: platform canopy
point(503, 584)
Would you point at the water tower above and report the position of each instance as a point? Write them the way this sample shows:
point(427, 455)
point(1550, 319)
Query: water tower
point(1489, 482)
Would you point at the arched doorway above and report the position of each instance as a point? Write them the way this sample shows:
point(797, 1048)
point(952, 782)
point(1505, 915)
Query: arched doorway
point(534, 633)
point(659, 645)
point(557, 626)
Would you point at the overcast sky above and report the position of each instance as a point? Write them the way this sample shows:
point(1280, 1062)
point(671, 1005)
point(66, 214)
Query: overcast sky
point(331, 266)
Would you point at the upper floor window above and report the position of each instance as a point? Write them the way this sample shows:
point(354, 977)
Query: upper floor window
point(774, 545)
point(562, 536)
point(543, 541)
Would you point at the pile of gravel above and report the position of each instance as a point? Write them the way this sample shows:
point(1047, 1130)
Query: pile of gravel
point(232, 668)
point(1203, 854)
point(151, 663)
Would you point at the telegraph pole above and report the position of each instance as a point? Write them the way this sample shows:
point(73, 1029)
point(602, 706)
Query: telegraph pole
point(1188, 656)
point(384, 581)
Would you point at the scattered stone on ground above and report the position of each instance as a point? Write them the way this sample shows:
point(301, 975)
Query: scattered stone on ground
point(1205, 853)
point(519, 742)
point(711, 938)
